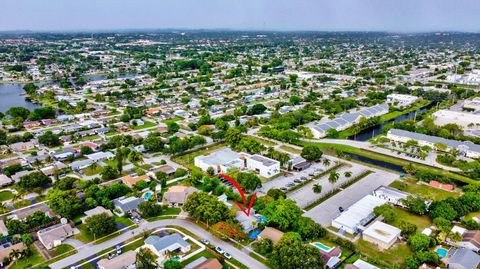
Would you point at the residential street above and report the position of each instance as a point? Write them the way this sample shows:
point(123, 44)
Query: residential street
point(89, 249)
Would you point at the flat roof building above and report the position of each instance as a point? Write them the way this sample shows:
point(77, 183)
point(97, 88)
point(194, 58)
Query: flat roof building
point(381, 234)
point(358, 215)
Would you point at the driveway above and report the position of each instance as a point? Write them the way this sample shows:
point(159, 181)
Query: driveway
point(86, 252)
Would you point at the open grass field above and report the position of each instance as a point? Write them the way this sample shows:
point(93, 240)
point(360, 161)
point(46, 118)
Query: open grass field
point(421, 222)
point(29, 262)
point(394, 256)
point(422, 190)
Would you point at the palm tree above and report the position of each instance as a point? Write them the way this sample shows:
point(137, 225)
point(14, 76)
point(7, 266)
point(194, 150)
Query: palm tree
point(333, 177)
point(326, 162)
point(14, 255)
point(317, 188)
point(146, 259)
point(347, 174)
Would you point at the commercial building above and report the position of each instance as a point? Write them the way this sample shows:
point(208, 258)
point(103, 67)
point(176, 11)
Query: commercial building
point(466, 148)
point(358, 215)
point(466, 120)
point(346, 120)
point(224, 159)
point(381, 234)
point(401, 100)
point(390, 195)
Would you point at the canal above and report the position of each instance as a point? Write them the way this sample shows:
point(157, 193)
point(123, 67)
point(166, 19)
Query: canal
point(369, 133)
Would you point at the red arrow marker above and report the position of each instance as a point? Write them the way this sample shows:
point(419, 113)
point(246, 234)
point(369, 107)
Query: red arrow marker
point(242, 194)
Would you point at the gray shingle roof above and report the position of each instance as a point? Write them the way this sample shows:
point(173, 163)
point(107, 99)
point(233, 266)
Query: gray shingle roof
point(435, 139)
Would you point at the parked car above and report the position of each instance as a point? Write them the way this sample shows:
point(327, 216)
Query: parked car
point(297, 181)
point(219, 250)
point(227, 255)
point(341, 209)
point(206, 242)
point(119, 250)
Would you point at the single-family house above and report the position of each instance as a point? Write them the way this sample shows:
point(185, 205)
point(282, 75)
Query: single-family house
point(96, 211)
point(204, 263)
point(160, 246)
point(53, 236)
point(127, 205)
point(100, 156)
point(123, 261)
point(470, 240)
point(462, 258)
point(131, 181)
point(177, 195)
point(248, 222)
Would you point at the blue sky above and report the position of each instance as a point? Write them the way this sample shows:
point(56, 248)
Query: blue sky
point(321, 15)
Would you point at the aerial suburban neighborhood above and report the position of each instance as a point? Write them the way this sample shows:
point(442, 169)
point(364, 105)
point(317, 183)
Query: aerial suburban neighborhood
point(239, 149)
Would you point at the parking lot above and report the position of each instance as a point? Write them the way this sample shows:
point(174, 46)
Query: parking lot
point(329, 209)
point(282, 181)
point(305, 195)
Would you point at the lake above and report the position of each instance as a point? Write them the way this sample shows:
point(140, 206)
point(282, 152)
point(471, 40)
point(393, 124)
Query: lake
point(11, 95)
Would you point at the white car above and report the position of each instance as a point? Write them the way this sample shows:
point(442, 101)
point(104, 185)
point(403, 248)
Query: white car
point(227, 255)
point(219, 250)
point(206, 242)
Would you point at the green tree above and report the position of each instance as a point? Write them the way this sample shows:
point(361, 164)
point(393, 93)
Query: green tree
point(291, 253)
point(263, 246)
point(282, 213)
point(100, 225)
point(386, 211)
point(150, 209)
point(33, 180)
point(419, 242)
point(49, 139)
point(333, 177)
point(415, 205)
point(146, 259)
point(317, 188)
point(108, 173)
point(311, 152)
point(64, 203)
point(205, 207)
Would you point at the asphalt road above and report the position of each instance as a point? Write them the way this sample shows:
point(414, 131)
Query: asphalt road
point(90, 250)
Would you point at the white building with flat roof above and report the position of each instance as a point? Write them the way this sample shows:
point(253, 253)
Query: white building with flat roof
point(381, 234)
point(466, 120)
point(224, 159)
point(358, 215)
point(401, 100)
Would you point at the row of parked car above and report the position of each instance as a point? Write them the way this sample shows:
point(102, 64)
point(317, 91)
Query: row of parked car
point(299, 180)
point(218, 249)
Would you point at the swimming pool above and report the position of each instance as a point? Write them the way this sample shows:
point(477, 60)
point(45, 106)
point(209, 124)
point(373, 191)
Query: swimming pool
point(322, 246)
point(254, 234)
point(441, 252)
point(147, 195)
point(262, 219)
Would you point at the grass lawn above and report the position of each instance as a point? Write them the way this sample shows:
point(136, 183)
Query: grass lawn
point(62, 249)
point(84, 235)
point(29, 262)
point(291, 150)
point(394, 256)
point(422, 222)
point(422, 190)
point(124, 221)
point(147, 124)
point(22, 203)
point(265, 142)
point(133, 245)
point(90, 171)
point(171, 211)
point(87, 265)
point(5, 195)
point(187, 159)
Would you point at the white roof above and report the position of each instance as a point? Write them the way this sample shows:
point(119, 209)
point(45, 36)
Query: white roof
point(354, 215)
point(382, 232)
point(457, 229)
point(427, 231)
point(364, 265)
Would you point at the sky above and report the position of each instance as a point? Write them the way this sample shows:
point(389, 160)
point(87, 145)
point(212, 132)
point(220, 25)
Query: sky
point(277, 15)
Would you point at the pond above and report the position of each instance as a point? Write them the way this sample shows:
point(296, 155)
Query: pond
point(11, 94)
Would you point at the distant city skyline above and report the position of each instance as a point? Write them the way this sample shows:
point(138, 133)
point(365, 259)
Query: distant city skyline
point(276, 15)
